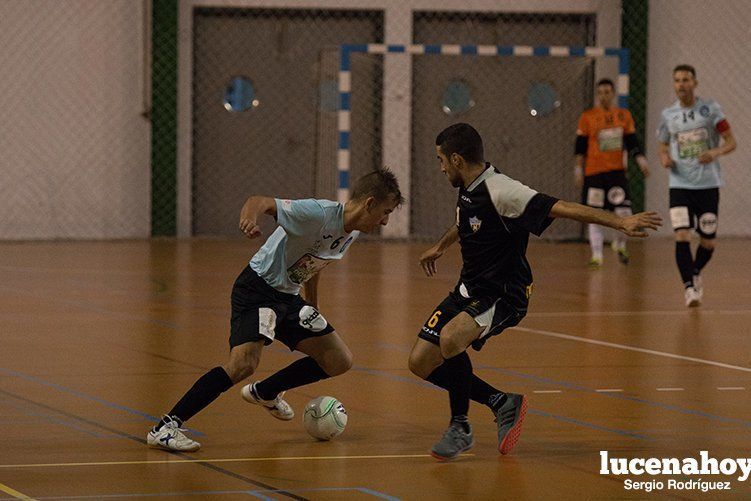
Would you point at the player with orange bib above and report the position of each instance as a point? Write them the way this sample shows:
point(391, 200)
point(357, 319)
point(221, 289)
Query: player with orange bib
point(603, 133)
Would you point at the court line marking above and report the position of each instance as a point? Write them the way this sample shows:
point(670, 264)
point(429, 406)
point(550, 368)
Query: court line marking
point(681, 313)
point(571, 386)
point(79, 394)
point(670, 389)
point(420, 382)
point(609, 390)
point(632, 348)
point(14, 493)
point(546, 391)
point(731, 388)
point(259, 493)
point(220, 460)
point(141, 441)
point(578, 387)
point(51, 419)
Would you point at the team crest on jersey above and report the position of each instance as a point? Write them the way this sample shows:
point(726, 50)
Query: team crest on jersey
point(704, 111)
point(475, 223)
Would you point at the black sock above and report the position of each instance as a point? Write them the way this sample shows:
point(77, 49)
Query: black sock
point(463, 421)
point(685, 262)
point(480, 391)
point(460, 383)
point(703, 255)
point(485, 394)
point(298, 373)
point(201, 394)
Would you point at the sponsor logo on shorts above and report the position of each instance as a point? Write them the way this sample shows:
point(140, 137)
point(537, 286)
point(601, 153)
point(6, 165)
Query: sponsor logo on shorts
point(616, 195)
point(428, 330)
point(708, 223)
point(311, 319)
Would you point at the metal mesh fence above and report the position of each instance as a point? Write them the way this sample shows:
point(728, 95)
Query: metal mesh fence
point(76, 85)
point(525, 107)
point(281, 66)
point(714, 38)
point(265, 103)
point(73, 138)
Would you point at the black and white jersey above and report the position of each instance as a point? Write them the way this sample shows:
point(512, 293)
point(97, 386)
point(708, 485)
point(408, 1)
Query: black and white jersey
point(495, 215)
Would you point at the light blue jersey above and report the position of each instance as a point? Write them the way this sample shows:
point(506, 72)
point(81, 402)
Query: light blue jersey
point(309, 237)
point(690, 132)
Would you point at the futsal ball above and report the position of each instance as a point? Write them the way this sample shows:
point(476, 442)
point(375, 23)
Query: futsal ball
point(324, 418)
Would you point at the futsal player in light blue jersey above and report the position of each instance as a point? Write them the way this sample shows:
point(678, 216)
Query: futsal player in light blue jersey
point(693, 133)
point(267, 306)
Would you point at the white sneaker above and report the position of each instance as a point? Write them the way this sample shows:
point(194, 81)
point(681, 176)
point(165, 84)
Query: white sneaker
point(278, 407)
point(699, 286)
point(693, 298)
point(171, 437)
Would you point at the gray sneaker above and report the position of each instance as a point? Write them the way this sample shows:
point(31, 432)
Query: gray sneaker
point(455, 441)
point(509, 419)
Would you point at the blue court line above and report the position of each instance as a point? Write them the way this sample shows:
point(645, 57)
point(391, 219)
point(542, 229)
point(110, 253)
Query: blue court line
point(377, 494)
point(420, 382)
point(589, 425)
point(51, 419)
point(96, 309)
point(573, 386)
point(259, 493)
point(107, 403)
point(141, 441)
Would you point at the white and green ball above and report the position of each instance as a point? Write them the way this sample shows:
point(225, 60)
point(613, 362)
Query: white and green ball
point(324, 418)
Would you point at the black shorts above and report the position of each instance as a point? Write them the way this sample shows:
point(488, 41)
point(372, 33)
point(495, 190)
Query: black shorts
point(495, 313)
point(606, 191)
point(260, 312)
point(695, 209)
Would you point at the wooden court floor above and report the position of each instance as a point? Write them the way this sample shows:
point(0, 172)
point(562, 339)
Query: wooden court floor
point(99, 338)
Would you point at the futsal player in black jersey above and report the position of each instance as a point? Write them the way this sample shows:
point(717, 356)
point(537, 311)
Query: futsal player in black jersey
point(494, 217)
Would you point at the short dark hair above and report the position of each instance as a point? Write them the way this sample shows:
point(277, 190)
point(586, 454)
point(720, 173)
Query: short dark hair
point(606, 81)
point(380, 184)
point(685, 67)
point(463, 140)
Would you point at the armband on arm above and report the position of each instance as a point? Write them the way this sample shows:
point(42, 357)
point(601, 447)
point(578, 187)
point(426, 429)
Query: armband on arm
point(632, 145)
point(581, 145)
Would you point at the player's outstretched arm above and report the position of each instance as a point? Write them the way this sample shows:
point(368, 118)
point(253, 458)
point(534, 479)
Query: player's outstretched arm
point(633, 226)
point(429, 257)
point(252, 208)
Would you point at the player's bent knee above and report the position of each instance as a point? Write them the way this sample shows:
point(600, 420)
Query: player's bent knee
point(682, 236)
point(243, 361)
point(238, 372)
point(707, 243)
point(419, 366)
point(337, 363)
point(450, 347)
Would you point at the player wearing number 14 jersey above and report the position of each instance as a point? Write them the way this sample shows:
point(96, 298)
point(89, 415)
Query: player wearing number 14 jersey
point(693, 132)
point(267, 306)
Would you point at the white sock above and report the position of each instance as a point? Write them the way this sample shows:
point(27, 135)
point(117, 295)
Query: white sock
point(595, 240)
point(619, 240)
